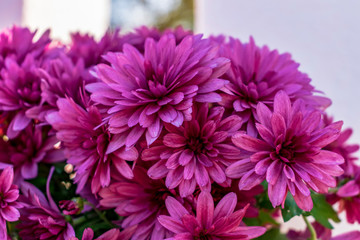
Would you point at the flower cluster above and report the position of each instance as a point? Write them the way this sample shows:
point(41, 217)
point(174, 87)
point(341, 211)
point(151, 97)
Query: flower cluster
point(164, 135)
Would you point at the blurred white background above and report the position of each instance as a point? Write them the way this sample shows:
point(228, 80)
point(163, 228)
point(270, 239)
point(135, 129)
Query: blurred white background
point(322, 35)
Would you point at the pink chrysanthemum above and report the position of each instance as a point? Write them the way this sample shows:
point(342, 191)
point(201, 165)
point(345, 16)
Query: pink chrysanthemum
point(91, 149)
point(256, 75)
point(350, 199)
point(60, 78)
point(40, 217)
point(209, 223)
point(138, 38)
point(112, 234)
point(20, 56)
point(84, 47)
point(141, 201)
point(9, 194)
point(346, 150)
point(196, 153)
point(33, 145)
point(141, 92)
point(289, 155)
point(244, 197)
point(19, 91)
point(17, 42)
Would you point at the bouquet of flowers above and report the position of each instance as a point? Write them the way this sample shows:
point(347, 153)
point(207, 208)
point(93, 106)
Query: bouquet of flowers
point(166, 135)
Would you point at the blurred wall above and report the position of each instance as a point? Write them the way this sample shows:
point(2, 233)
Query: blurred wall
point(10, 12)
point(65, 16)
point(322, 35)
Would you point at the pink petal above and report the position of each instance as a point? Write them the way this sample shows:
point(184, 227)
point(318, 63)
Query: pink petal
point(250, 144)
point(175, 209)
point(226, 206)
point(6, 179)
point(171, 224)
point(10, 214)
point(158, 170)
point(29, 170)
point(350, 189)
point(282, 105)
point(174, 140)
point(205, 209)
point(277, 192)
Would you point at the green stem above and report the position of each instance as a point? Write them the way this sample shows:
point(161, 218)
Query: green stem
point(101, 215)
point(311, 229)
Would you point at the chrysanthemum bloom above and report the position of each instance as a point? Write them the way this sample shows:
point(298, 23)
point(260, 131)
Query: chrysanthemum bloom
point(256, 75)
point(60, 78)
point(9, 194)
point(209, 223)
point(244, 197)
point(112, 234)
point(69, 207)
point(141, 92)
point(17, 42)
point(350, 199)
point(140, 201)
point(33, 145)
point(346, 150)
point(19, 91)
point(91, 149)
point(85, 47)
point(196, 153)
point(138, 38)
point(40, 218)
point(289, 155)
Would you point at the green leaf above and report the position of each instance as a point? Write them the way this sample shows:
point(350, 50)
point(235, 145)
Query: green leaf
point(263, 218)
point(290, 209)
point(323, 211)
point(273, 234)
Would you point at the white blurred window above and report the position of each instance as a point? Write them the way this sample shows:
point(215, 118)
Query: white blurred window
point(65, 16)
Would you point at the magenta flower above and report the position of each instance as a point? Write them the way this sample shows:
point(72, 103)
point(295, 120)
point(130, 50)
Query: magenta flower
point(137, 39)
point(209, 223)
point(33, 145)
point(90, 147)
point(17, 42)
point(244, 197)
point(112, 234)
point(140, 201)
point(141, 92)
point(346, 150)
point(19, 91)
point(196, 153)
point(69, 207)
point(60, 78)
point(40, 217)
point(84, 47)
point(9, 194)
point(256, 75)
point(350, 199)
point(289, 155)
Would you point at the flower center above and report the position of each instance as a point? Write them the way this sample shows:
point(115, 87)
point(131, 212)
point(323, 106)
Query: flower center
point(159, 195)
point(283, 152)
point(195, 144)
point(203, 235)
